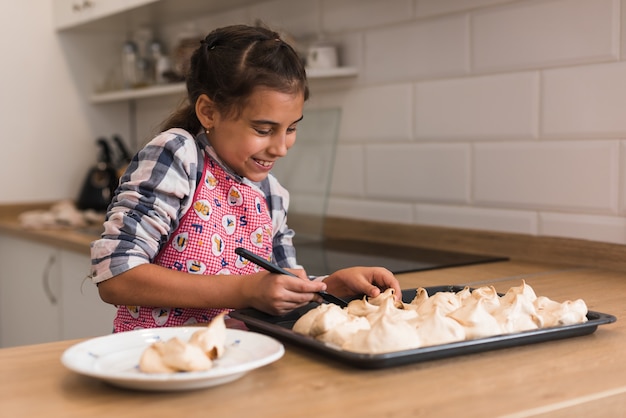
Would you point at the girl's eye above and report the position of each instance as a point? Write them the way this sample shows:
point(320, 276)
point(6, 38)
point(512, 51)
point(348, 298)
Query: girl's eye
point(262, 131)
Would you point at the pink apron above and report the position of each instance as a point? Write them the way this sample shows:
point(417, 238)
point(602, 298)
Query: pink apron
point(225, 214)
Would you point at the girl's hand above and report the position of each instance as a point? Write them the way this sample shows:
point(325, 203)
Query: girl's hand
point(369, 281)
point(278, 294)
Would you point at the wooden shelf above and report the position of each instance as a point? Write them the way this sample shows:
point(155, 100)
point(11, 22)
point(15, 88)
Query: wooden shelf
point(179, 88)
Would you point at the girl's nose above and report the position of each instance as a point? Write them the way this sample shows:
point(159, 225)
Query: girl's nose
point(278, 145)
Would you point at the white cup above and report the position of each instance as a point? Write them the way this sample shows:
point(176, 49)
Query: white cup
point(322, 56)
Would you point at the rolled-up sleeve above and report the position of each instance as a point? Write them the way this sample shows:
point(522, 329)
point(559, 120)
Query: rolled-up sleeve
point(283, 251)
point(155, 189)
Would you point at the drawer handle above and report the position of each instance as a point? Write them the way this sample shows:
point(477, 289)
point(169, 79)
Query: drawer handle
point(46, 280)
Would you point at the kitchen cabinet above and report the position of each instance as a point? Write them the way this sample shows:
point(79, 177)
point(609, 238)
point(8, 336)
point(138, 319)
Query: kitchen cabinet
point(109, 18)
point(44, 295)
point(72, 13)
point(83, 313)
point(88, 14)
point(29, 289)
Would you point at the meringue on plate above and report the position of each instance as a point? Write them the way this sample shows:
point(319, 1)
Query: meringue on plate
point(175, 355)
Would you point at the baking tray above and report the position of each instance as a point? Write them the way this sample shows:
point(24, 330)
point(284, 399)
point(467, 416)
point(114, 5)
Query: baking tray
point(280, 327)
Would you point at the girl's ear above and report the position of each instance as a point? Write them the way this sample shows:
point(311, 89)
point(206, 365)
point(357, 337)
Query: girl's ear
point(206, 111)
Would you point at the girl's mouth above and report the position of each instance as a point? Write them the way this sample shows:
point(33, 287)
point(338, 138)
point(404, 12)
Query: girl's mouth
point(264, 163)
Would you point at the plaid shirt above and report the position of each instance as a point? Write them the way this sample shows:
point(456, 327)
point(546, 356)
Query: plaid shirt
point(156, 191)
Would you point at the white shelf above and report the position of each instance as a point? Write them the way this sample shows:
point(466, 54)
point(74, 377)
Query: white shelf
point(179, 88)
point(140, 93)
point(337, 72)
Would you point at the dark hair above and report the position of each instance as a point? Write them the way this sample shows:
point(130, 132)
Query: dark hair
point(230, 63)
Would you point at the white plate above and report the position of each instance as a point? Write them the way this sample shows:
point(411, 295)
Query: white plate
point(115, 358)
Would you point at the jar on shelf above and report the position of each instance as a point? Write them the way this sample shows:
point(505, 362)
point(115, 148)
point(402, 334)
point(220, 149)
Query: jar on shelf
point(129, 64)
point(188, 42)
point(160, 63)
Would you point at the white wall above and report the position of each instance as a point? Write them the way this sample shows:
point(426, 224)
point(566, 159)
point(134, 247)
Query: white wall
point(497, 115)
point(490, 114)
point(48, 126)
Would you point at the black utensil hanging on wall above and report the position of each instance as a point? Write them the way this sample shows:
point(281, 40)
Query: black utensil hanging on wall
point(100, 183)
point(124, 158)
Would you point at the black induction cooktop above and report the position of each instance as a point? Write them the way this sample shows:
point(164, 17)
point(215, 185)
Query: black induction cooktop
point(326, 256)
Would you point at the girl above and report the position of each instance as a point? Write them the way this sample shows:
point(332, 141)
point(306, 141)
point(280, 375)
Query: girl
point(203, 187)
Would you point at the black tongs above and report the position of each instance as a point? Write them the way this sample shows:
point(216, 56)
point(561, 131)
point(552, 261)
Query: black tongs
point(273, 268)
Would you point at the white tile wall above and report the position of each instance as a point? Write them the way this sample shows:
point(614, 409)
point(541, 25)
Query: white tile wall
point(371, 210)
point(568, 175)
point(467, 217)
point(307, 203)
point(501, 106)
point(532, 34)
point(378, 113)
point(416, 172)
point(149, 115)
point(300, 18)
point(342, 15)
point(584, 101)
point(349, 172)
point(623, 32)
point(622, 184)
point(407, 51)
point(598, 228)
point(434, 7)
point(501, 115)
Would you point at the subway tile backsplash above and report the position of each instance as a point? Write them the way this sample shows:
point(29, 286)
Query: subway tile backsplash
point(469, 217)
point(572, 176)
point(499, 115)
point(536, 34)
point(418, 172)
point(407, 51)
point(592, 227)
point(425, 8)
point(497, 107)
point(587, 101)
point(342, 15)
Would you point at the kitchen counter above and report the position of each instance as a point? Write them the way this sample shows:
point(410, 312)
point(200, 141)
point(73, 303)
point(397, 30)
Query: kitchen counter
point(73, 239)
point(582, 376)
point(565, 251)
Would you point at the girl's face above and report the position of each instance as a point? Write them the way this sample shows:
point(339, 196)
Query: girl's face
point(252, 141)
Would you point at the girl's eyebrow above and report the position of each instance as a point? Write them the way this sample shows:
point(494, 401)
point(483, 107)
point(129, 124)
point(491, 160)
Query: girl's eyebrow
point(272, 123)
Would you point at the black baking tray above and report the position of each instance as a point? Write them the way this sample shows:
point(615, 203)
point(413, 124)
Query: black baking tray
point(280, 327)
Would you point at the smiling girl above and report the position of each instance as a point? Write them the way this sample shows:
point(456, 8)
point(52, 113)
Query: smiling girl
point(203, 187)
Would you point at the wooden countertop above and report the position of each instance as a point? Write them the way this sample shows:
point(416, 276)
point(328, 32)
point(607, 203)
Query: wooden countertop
point(73, 239)
point(581, 376)
point(565, 251)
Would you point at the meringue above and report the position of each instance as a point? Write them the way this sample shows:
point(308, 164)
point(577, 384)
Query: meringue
point(211, 339)
point(478, 322)
point(175, 355)
point(386, 334)
point(437, 328)
point(489, 296)
point(555, 314)
point(342, 333)
point(446, 301)
point(382, 324)
point(518, 315)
